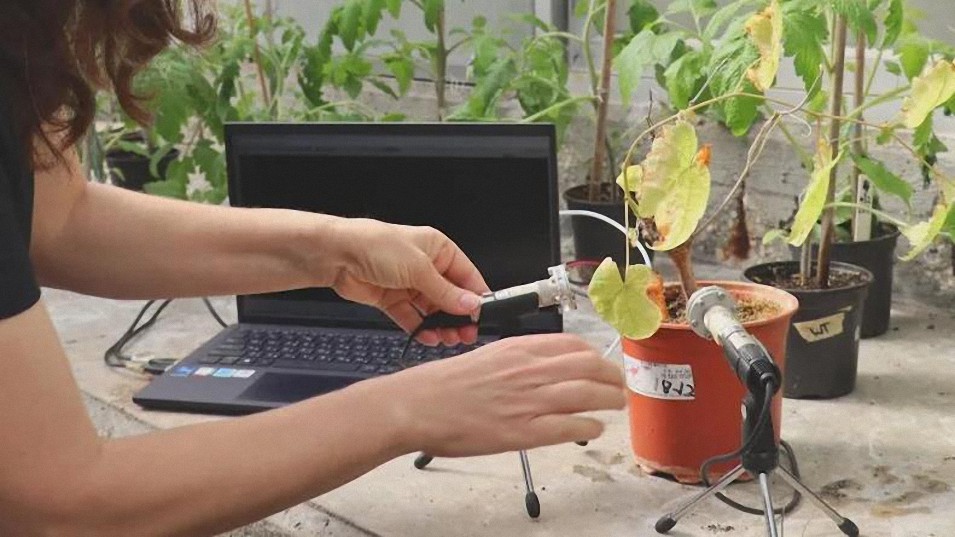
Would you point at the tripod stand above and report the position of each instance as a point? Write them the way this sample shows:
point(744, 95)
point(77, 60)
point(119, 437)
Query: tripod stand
point(760, 459)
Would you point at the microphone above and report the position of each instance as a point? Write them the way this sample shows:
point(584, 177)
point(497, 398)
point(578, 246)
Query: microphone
point(712, 315)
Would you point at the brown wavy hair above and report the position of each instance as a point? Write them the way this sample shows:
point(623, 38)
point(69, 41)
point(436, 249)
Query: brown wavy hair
point(55, 55)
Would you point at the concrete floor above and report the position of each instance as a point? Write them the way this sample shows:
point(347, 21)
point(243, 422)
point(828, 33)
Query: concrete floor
point(884, 455)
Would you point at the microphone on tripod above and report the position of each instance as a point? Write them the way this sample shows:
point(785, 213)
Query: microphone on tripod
point(712, 315)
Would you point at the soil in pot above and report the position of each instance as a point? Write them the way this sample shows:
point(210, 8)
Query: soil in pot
point(823, 345)
point(684, 399)
point(876, 255)
point(595, 240)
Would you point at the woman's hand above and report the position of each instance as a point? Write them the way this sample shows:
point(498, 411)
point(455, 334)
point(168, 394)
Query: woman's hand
point(408, 272)
point(517, 393)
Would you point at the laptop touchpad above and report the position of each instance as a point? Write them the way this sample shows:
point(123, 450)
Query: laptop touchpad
point(290, 388)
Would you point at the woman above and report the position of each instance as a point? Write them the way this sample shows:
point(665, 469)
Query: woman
point(57, 476)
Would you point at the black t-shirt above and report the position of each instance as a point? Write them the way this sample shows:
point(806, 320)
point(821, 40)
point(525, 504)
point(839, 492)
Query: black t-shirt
point(18, 287)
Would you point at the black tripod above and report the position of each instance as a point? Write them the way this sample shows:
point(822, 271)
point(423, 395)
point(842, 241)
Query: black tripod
point(760, 458)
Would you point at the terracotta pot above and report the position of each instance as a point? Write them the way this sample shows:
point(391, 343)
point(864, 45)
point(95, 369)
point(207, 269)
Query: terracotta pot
point(684, 399)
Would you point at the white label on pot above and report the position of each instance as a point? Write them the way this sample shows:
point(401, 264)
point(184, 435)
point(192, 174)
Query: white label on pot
point(820, 329)
point(660, 381)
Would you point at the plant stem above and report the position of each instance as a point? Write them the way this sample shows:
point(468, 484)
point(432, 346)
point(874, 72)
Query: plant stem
point(554, 107)
point(603, 96)
point(440, 61)
point(857, 146)
point(858, 206)
point(257, 54)
point(585, 47)
point(681, 258)
point(828, 216)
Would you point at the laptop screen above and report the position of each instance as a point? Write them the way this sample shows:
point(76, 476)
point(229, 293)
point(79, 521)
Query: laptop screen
point(491, 188)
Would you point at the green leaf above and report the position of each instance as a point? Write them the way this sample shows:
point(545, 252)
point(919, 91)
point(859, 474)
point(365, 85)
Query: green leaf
point(814, 201)
point(166, 189)
point(433, 10)
point(642, 15)
point(894, 20)
point(913, 55)
point(625, 304)
point(923, 234)
point(774, 235)
point(210, 162)
point(883, 179)
point(672, 185)
point(685, 77)
point(929, 91)
point(741, 112)
point(632, 61)
point(384, 88)
point(402, 67)
point(373, 10)
point(858, 16)
point(893, 67)
point(394, 8)
point(350, 23)
point(765, 30)
point(581, 9)
point(804, 34)
point(721, 18)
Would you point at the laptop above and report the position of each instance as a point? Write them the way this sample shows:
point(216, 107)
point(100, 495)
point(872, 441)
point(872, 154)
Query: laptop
point(492, 188)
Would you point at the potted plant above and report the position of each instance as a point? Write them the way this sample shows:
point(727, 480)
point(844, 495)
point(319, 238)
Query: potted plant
point(823, 347)
point(681, 392)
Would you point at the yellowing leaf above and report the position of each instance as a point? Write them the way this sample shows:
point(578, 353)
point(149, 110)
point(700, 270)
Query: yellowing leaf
point(815, 199)
point(922, 235)
point(634, 176)
point(929, 91)
point(672, 185)
point(625, 304)
point(765, 30)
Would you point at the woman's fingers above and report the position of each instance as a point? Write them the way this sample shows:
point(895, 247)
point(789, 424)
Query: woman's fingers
point(582, 365)
point(562, 428)
point(574, 396)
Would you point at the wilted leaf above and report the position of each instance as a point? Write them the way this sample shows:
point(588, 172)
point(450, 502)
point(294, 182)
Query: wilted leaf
point(765, 30)
point(922, 235)
point(624, 303)
point(929, 91)
point(672, 185)
point(814, 201)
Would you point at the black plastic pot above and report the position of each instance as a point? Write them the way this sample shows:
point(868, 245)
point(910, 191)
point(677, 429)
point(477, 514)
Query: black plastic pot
point(131, 170)
point(595, 240)
point(822, 350)
point(878, 257)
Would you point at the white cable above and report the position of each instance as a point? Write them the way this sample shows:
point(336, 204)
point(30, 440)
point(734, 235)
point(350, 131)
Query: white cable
point(619, 227)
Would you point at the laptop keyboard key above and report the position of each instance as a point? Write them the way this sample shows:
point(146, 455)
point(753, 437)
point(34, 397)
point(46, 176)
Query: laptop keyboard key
point(228, 360)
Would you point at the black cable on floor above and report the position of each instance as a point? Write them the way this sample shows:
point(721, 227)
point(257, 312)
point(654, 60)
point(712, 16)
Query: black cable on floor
point(764, 415)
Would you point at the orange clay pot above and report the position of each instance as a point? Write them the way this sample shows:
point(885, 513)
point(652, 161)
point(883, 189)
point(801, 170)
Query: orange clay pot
point(684, 399)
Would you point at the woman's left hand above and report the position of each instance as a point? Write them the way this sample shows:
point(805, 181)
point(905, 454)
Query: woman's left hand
point(407, 272)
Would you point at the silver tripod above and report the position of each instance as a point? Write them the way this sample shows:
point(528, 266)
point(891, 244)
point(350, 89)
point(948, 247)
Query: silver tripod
point(761, 460)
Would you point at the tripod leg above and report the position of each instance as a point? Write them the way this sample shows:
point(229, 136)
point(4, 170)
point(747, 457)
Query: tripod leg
point(531, 501)
point(768, 505)
point(845, 525)
point(669, 520)
point(422, 460)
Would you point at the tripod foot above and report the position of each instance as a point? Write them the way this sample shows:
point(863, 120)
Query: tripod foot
point(665, 524)
point(533, 504)
point(582, 443)
point(849, 528)
point(422, 460)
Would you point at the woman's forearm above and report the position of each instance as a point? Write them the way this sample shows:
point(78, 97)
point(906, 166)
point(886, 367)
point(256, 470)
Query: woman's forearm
point(120, 244)
point(196, 480)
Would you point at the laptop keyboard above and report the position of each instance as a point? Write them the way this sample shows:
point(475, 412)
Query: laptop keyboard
point(373, 354)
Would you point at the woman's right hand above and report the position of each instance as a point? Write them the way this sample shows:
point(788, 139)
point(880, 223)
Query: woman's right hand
point(517, 393)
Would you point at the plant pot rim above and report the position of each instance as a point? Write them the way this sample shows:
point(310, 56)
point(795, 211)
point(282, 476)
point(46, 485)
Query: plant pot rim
point(893, 234)
point(574, 193)
point(787, 302)
point(869, 277)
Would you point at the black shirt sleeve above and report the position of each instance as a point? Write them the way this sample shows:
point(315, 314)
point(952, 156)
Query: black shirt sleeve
point(18, 286)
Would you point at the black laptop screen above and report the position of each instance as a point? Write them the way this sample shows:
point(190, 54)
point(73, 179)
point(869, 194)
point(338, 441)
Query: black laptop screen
point(490, 188)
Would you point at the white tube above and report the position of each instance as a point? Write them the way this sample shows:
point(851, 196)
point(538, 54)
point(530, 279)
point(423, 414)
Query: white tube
point(616, 225)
